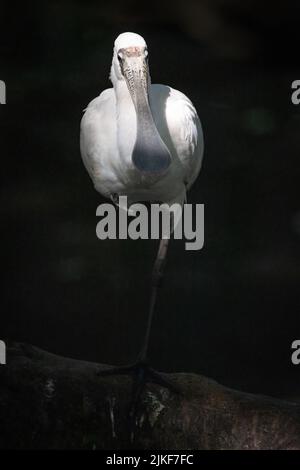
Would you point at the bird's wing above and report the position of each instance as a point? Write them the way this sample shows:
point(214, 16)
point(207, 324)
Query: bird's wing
point(185, 130)
point(97, 137)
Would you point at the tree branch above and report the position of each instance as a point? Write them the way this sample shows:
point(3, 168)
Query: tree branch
point(48, 401)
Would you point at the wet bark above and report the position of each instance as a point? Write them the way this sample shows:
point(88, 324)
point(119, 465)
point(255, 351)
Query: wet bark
point(48, 401)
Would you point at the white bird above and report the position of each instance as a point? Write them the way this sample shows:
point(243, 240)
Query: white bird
point(142, 141)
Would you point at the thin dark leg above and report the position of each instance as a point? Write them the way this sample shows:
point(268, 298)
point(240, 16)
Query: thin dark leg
point(141, 371)
point(157, 275)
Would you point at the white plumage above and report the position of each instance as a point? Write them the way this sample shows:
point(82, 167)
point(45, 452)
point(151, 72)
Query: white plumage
point(145, 142)
point(137, 139)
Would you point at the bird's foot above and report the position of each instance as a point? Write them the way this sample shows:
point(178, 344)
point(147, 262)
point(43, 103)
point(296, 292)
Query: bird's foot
point(142, 374)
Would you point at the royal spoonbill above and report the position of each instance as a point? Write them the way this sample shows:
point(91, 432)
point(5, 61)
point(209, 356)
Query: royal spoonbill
point(145, 142)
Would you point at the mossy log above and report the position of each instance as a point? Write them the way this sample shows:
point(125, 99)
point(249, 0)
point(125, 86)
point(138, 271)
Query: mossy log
point(48, 401)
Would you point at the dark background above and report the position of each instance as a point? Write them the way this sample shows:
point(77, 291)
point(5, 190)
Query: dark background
point(229, 311)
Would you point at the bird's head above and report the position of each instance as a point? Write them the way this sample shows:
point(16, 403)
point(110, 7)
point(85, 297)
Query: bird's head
point(130, 63)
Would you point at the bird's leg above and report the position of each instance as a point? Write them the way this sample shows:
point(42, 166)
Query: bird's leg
point(141, 371)
point(157, 275)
